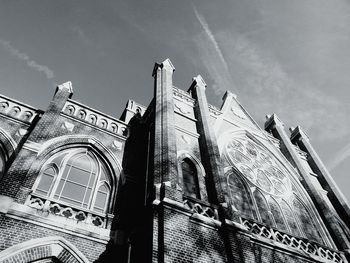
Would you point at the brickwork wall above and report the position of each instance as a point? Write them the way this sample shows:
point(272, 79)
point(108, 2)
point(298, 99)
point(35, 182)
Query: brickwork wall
point(182, 239)
point(187, 241)
point(11, 126)
point(13, 231)
point(188, 143)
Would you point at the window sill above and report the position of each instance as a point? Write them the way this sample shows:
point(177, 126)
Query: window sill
point(58, 223)
point(64, 212)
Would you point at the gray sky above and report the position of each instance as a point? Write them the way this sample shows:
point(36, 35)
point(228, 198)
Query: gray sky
point(287, 57)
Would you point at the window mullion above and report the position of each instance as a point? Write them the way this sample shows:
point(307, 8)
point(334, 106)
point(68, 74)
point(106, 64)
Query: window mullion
point(95, 185)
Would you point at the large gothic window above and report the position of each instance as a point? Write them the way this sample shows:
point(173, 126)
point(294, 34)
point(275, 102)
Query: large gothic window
point(76, 177)
point(190, 179)
point(256, 174)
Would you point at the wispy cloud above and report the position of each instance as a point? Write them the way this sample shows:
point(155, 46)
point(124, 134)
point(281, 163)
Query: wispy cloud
point(339, 158)
point(29, 62)
point(212, 56)
point(210, 35)
point(81, 35)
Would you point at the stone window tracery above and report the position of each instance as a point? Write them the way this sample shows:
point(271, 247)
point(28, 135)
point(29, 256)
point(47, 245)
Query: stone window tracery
point(75, 177)
point(261, 178)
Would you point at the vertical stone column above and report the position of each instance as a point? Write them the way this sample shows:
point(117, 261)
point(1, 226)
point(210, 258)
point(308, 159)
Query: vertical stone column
point(165, 153)
point(336, 197)
point(327, 213)
point(208, 144)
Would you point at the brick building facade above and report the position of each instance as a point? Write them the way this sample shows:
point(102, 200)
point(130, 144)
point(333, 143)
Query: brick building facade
point(177, 181)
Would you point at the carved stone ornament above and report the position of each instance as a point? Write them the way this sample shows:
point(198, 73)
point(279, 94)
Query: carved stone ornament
point(238, 113)
point(186, 139)
point(117, 145)
point(68, 126)
point(21, 132)
point(181, 108)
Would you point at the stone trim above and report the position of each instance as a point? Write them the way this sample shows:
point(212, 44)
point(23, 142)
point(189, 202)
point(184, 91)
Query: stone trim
point(31, 215)
point(39, 248)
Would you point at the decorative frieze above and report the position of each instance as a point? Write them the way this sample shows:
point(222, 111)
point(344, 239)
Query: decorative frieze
point(16, 109)
point(95, 118)
point(291, 241)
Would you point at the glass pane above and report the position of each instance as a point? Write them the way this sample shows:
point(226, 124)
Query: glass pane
point(84, 162)
point(290, 219)
point(73, 191)
point(46, 181)
point(79, 176)
point(262, 207)
point(306, 221)
point(87, 197)
point(276, 212)
point(101, 199)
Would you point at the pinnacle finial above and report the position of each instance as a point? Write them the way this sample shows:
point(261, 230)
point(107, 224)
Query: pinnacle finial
point(66, 86)
point(167, 64)
point(199, 81)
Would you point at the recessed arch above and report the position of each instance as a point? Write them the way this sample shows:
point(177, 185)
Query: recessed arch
point(200, 172)
point(48, 247)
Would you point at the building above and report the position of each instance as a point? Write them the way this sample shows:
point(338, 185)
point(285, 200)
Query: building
point(177, 181)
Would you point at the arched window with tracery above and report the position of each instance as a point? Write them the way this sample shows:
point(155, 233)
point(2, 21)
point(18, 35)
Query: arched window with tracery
point(241, 199)
point(277, 200)
point(306, 222)
point(290, 218)
point(277, 214)
point(263, 208)
point(190, 178)
point(77, 177)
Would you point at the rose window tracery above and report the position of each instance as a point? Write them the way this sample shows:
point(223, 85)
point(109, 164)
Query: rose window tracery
point(258, 167)
point(260, 188)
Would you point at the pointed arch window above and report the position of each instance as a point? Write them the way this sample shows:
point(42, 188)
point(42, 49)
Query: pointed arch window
point(241, 199)
point(190, 178)
point(76, 177)
point(307, 223)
